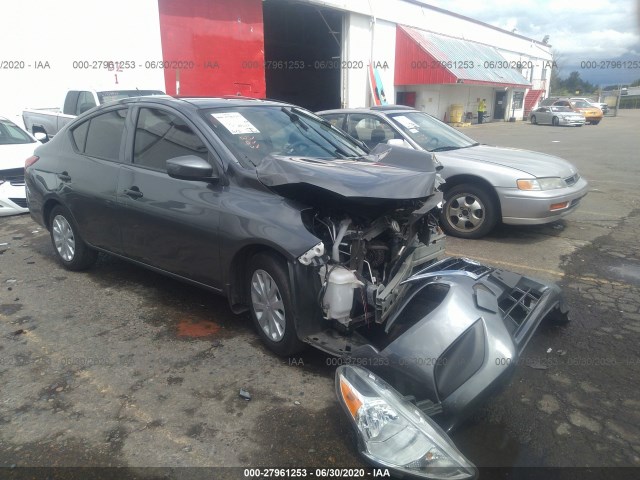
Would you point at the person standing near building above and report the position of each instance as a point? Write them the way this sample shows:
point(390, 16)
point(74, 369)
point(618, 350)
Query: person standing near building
point(482, 108)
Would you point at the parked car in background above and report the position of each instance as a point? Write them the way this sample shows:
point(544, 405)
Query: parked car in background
point(602, 106)
point(323, 242)
point(50, 120)
point(15, 146)
point(592, 113)
point(557, 116)
point(484, 184)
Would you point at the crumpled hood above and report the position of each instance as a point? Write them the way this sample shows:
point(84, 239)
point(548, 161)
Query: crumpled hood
point(534, 163)
point(388, 173)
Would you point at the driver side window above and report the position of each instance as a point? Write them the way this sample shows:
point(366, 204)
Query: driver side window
point(370, 129)
point(161, 136)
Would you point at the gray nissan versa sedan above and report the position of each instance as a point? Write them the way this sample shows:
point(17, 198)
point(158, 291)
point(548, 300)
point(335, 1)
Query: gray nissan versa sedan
point(322, 241)
point(484, 184)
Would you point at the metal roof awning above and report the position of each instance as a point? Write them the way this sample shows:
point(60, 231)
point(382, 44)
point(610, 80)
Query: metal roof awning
point(429, 58)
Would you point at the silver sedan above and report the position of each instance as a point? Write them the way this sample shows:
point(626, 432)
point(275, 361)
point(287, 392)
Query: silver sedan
point(557, 116)
point(484, 184)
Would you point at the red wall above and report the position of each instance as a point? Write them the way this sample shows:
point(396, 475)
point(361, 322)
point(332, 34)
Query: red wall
point(219, 37)
point(408, 54)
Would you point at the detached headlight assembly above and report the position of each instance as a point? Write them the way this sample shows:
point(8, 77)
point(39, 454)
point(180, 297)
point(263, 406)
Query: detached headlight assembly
point(393, 433)
point(548, 183)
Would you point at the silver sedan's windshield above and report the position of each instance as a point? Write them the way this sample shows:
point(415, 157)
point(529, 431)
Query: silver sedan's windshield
point(429, 133)
point(255, 132)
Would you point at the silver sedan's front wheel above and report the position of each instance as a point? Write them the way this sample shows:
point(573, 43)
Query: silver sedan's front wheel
point(469, 211)
point(63, 238)
point(268, 306)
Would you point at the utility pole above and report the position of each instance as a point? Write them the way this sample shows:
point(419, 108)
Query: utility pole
point(618, 101)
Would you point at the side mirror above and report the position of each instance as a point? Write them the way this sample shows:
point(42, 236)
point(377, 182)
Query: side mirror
point(398, 142)
point(190, 167)
point(40, 136)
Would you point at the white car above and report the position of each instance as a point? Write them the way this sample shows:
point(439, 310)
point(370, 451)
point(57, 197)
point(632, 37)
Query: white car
point(16, 146)
point(557, 116)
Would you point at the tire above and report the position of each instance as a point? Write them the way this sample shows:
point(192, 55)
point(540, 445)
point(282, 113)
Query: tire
point(555, 122)
point(72, 252)
point(533, 120)
point(470, 211)
point(272, 310)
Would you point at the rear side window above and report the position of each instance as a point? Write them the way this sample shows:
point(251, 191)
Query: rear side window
point(104, 135)
point(161, 136)
point(80, 135)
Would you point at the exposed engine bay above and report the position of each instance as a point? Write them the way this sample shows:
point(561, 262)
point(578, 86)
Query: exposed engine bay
point(367, 259)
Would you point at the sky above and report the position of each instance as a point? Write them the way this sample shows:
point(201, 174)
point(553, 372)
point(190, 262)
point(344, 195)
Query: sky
point(579, 31)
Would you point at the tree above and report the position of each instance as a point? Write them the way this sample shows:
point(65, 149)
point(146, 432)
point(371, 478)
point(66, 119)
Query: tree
point(572, 85)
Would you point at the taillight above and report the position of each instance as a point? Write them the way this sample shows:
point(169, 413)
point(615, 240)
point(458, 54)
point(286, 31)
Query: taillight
point(30, 161)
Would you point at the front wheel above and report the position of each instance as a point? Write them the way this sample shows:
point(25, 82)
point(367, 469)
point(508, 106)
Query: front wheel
point(533, 120)
point(555, 121)
point(71, 250)
point(271, 306)
point(469, 211)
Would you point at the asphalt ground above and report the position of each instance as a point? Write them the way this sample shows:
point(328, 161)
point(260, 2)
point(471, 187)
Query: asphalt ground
point(122, 367)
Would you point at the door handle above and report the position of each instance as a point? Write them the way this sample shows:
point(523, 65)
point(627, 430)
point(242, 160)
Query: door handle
point(64, 176)
point(133, 192)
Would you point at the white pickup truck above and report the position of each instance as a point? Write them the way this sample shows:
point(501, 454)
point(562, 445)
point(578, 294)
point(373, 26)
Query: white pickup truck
point(50, 120)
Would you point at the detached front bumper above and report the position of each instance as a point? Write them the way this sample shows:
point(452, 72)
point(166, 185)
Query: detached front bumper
point(457, 336)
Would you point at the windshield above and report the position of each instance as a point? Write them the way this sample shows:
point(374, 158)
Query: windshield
point(429, 133)
point(254, 132)
point(115, 95)
point(11, 134)
point(561, 109)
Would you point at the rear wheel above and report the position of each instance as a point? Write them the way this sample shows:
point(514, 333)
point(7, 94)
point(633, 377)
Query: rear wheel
point(71, 250)
point(555, 121)
point(270, 304)
point(470, 211)
point(533, 120)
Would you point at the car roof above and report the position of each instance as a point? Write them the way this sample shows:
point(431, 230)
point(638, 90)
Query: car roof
point(202, 102)
point(376, 109)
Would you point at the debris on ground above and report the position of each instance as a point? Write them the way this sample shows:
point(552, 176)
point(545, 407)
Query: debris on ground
point(549, 350)
point(244, 394)
point(538, 366)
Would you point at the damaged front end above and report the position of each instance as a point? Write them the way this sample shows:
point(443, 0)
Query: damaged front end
point(454, 342)
point(422, 339)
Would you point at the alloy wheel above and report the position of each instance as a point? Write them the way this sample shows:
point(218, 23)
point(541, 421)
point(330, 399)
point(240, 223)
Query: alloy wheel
point(268, 306)
point(63, 238)
point(465, 212)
